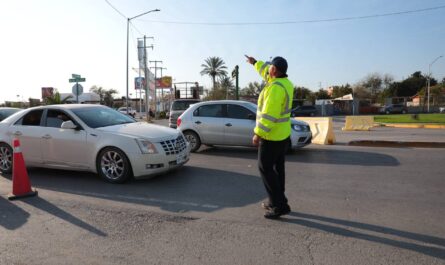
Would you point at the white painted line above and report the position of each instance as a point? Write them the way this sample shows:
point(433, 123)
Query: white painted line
point(143, 199)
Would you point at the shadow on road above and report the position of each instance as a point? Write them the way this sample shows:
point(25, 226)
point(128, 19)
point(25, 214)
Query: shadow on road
point(187, 189)
point(342, 157)
point(45, 206)
point(313, 155)
point(310, 220)
point(11, 216)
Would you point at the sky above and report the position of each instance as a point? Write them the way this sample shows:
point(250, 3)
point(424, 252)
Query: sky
point(43, 42)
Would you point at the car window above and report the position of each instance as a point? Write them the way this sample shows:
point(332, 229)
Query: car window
point(238, 112)
point(96, 117)
point(32, 118)
point(55, 118)
point(213, 110)
point(183, 105)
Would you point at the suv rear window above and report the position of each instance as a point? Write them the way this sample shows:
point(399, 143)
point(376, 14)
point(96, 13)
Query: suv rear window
point(183, 104)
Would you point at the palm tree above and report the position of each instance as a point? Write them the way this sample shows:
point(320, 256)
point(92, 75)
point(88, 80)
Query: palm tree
point(227, 85)
point(56, 99)
point(214, 67)
point(100, 91)
point(108, 96)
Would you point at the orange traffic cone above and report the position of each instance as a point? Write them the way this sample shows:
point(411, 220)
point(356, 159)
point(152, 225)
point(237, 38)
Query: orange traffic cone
point(21, 187)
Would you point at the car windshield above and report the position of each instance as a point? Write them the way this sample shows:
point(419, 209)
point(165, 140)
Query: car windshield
point(96, 117)
point(182, 105)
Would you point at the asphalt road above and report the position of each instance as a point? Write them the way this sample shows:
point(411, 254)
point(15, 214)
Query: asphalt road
point(350, 205)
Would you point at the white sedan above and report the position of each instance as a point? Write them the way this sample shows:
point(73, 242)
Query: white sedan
point(92, 138)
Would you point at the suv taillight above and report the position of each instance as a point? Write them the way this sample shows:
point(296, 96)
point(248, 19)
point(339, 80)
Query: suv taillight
point(178, 122)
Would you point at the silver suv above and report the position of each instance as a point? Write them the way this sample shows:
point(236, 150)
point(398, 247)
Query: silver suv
point(230, 122)
point(177, 108)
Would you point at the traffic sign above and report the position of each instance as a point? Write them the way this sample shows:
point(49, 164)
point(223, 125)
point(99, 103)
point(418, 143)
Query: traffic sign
point(75, 76)
point(77, 89)
point(76, 80)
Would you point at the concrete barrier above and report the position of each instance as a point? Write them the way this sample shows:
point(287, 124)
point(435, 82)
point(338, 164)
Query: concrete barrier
point(358, 123)
point(322, 129)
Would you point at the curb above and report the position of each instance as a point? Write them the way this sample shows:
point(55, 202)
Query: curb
point(378, 143)
point(412, 126)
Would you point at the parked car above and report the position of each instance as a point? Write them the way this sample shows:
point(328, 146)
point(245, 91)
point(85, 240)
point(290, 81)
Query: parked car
point(230, 122)
point(304, 111)
point(131, 111)
point(6, 112)
point(394, 108)
point(92, 138)
point(177, 107)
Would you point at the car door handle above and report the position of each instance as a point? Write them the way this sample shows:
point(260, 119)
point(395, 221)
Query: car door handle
point(198, 122)
point(228, 124)
point(46, 136)
point(17, 133)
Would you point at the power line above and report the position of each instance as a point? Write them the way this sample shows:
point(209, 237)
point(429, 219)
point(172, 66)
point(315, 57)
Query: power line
point(120, 13)
point(298, 22)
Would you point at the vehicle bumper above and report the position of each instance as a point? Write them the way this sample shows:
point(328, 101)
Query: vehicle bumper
point(149, 165)
point(301, 139)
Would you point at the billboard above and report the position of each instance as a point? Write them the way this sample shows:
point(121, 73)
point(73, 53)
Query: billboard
point(164, 82)
point(139, 83)
point(47, 92)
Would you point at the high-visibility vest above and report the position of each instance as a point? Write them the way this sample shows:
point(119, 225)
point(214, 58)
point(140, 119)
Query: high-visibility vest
point(274, 106)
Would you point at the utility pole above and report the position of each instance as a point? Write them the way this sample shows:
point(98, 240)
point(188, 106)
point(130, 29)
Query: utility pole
point(155, 96)
point(147, 80)
point(142, 57)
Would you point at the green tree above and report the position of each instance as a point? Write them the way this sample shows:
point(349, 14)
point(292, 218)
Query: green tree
point(108, 97)
point(100, 91)
point(214, 67)
point(56, 99)
point(322, 94)
point(226, 84)
point(340, 91)
point(252, 89)
point(303, 93)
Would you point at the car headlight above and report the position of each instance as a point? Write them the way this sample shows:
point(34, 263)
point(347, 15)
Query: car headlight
point(297, 127)
point(146, 146)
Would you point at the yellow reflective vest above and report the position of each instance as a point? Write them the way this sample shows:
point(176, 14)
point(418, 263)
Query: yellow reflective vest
point(274, 106)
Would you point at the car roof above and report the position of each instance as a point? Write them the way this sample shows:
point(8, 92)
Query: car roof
point(67, 106)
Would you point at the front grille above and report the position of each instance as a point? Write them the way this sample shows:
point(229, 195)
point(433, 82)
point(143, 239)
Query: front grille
point(175, 146)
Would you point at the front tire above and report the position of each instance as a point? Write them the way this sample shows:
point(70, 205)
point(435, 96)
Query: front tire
point(5, 158)
point(113, 165)
point(193, 139)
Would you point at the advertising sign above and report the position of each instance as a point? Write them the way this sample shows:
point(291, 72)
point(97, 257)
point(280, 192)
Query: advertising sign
point(139, 83)
point(164, 82)
point(47, 92)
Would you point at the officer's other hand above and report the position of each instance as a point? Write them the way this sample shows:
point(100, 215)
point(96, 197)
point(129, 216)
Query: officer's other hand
point(255, 140)
point(250, 59)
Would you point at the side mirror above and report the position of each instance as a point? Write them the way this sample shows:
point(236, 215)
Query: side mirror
point(68, 125)
point(251, 116)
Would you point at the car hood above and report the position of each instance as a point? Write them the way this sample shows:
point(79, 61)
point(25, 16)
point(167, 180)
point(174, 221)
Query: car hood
point(298, 122)
point(142, 130)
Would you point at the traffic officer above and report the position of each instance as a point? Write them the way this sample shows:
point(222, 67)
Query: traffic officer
point(272, 132)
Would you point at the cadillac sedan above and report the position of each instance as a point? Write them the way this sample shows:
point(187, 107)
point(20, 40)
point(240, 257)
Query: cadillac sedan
point(92, 138)
point(230, 122)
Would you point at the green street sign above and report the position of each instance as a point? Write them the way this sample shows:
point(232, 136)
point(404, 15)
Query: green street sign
point(76, 80)
point(75, 76)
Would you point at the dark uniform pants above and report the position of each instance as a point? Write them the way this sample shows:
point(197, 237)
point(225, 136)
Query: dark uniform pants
point(271, 157)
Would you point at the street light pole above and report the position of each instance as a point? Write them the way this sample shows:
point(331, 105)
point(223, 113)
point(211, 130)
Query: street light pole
point(128, 29)
point(429, 78)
